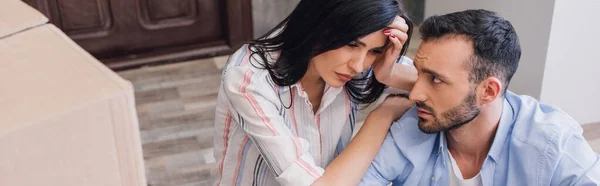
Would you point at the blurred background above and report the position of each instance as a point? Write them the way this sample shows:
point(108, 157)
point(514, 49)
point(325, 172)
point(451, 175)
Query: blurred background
point(173, 52)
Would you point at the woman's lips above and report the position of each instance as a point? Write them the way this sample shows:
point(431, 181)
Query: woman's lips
point(344, 77)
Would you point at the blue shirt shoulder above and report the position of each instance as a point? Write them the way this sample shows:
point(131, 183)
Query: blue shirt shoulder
point(535, 144)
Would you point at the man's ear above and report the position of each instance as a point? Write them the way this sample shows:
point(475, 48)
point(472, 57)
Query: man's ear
point(490, 89)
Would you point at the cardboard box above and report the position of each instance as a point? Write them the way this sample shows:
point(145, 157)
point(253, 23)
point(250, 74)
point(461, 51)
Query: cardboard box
point(65, 118)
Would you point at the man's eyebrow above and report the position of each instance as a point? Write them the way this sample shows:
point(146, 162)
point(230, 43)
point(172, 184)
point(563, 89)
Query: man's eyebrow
point(429, 71)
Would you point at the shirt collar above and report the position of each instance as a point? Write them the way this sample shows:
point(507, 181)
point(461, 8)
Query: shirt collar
point(504, 129)
point(329, 95)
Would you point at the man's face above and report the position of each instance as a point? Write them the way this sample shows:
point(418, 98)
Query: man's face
point(444, 96)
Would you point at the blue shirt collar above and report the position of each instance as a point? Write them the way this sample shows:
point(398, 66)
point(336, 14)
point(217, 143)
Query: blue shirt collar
point(505, 126)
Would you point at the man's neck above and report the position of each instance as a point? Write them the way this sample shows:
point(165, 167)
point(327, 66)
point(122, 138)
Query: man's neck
point(470, 143)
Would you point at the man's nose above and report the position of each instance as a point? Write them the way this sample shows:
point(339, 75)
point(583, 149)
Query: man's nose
point(417, 94)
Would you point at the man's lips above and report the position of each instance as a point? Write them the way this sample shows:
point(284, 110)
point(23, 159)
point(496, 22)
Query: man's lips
point(423, 111)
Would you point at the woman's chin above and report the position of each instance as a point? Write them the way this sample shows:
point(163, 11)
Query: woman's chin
point(336, 83)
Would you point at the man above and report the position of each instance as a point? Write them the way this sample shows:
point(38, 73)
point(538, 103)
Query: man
point(467, 129)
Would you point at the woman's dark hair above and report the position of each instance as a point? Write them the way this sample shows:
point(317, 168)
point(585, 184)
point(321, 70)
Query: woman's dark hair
point(318, 26)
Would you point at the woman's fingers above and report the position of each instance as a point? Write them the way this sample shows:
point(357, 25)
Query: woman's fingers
point(400, 24)
point(397, 33)
point(402, 36)
point(398, 38)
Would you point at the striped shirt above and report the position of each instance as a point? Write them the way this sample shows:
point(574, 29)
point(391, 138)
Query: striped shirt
point(269, 135)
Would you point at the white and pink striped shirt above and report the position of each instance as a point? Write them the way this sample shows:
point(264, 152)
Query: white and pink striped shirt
point(259, 141)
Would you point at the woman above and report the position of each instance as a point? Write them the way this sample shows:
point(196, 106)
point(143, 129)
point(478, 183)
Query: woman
point(288, 101)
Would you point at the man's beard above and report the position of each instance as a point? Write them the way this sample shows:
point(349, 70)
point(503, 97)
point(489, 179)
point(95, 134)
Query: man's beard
point(462, 114)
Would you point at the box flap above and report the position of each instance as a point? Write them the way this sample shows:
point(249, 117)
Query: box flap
point(16, 16)
point(43, 74)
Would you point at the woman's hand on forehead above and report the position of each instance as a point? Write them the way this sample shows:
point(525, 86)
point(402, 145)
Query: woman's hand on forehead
point(384, 64)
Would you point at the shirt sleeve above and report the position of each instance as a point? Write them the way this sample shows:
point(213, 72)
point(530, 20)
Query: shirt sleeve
point(255, 103)
point(578, 163)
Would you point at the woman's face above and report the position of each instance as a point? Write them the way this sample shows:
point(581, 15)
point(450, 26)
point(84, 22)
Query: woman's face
point(336, 67)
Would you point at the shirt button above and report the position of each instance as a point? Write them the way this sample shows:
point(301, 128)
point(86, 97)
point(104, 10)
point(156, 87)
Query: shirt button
point(432, 178)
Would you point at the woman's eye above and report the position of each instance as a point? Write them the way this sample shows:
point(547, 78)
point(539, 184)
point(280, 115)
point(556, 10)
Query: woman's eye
point(352, 45)
point(376, 51)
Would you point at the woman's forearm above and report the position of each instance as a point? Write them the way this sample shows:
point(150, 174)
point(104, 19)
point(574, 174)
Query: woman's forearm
point(402, 77)
point(350, 166)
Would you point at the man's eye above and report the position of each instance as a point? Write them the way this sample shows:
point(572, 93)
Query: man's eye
point(436, 80)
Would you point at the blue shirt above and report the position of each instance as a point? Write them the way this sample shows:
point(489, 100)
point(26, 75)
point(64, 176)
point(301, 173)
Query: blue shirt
point(535, 144)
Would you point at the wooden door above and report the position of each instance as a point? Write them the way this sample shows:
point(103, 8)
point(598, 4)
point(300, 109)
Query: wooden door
point(131, 33)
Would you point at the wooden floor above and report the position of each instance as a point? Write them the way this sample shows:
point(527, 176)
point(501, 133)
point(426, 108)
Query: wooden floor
point(175, 105)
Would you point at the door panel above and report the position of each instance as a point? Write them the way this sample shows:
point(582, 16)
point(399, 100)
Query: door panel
point(84, 19)
point(148, 31)
point(159, 14)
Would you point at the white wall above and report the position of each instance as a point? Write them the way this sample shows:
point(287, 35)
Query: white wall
point(532, 20)
point(571, 78)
